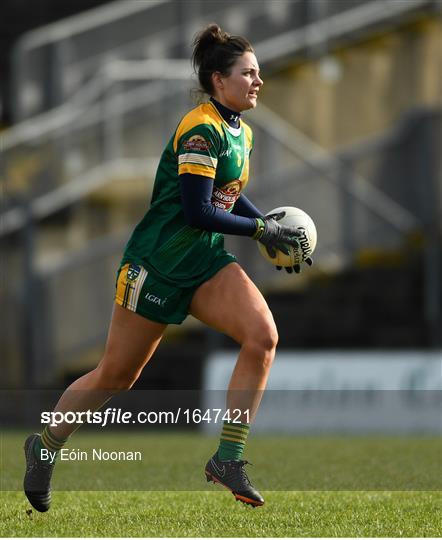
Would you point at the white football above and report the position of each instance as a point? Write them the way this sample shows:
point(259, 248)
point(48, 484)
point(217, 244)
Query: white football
point(294, 217)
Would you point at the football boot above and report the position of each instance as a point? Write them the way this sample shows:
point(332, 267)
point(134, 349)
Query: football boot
point(232, 476)
point(37, 481)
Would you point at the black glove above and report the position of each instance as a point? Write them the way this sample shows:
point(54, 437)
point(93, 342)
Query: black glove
point(275, 236)
point(296, 267)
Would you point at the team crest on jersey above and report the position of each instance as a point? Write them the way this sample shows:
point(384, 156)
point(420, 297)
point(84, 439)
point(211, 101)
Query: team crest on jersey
point(133, 272)
point(225, 197)
point(196, 143)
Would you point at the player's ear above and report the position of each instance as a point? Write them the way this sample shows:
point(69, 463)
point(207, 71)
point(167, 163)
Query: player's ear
point(217, 80)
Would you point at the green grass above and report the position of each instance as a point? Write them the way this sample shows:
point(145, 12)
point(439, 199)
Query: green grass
point(205, 514)
point(326, 468)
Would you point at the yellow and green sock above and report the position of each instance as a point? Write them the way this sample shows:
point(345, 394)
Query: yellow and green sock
point(232, 441)
point(49, 442)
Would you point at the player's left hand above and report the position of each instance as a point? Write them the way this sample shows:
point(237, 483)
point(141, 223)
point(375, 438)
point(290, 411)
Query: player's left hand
point(296, 267)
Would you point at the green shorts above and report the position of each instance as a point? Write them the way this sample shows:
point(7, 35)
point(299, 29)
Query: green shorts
point(139, 291)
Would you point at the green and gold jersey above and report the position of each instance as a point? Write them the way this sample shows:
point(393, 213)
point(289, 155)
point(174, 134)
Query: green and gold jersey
point(203, 144)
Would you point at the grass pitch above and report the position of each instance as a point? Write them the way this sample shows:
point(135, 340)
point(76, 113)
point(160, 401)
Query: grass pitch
point(330, 509)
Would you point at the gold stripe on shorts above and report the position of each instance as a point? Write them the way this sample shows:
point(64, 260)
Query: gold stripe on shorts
point(128, 291)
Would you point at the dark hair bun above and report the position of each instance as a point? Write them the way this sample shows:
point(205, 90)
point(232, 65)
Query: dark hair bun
point(216, 50)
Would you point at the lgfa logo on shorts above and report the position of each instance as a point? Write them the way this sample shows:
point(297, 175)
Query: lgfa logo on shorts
point(154, 299)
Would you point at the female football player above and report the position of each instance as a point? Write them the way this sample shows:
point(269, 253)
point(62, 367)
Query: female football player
point(175, 264)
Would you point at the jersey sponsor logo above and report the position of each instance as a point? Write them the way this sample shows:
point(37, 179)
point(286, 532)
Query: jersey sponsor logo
point(196, 143)
point(133, 272)
point(225, 197)
point(150, 297)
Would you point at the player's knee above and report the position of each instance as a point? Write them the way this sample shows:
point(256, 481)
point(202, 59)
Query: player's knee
point(115, 379)
point(264, 336)
point(268, 334)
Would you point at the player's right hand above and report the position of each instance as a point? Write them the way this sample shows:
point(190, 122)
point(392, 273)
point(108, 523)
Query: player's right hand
point(275, 236)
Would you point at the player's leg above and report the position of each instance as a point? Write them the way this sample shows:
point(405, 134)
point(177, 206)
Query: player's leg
point(231, 303)
point(131, 342)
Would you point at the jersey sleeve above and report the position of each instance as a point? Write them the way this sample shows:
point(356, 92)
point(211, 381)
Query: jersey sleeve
point(197, 151)
point(199, 212)
point(245, 207)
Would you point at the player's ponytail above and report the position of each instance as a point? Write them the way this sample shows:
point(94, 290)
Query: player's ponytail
point(216, 51)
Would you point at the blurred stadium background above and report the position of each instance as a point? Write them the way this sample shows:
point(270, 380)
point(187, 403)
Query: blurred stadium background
point(348, 127)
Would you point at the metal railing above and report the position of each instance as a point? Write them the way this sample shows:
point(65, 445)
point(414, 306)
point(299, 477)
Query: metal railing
point(93, 136)
point(51, 63)
point(100, 108)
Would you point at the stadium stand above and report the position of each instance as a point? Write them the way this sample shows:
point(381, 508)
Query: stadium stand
point(356, 151)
